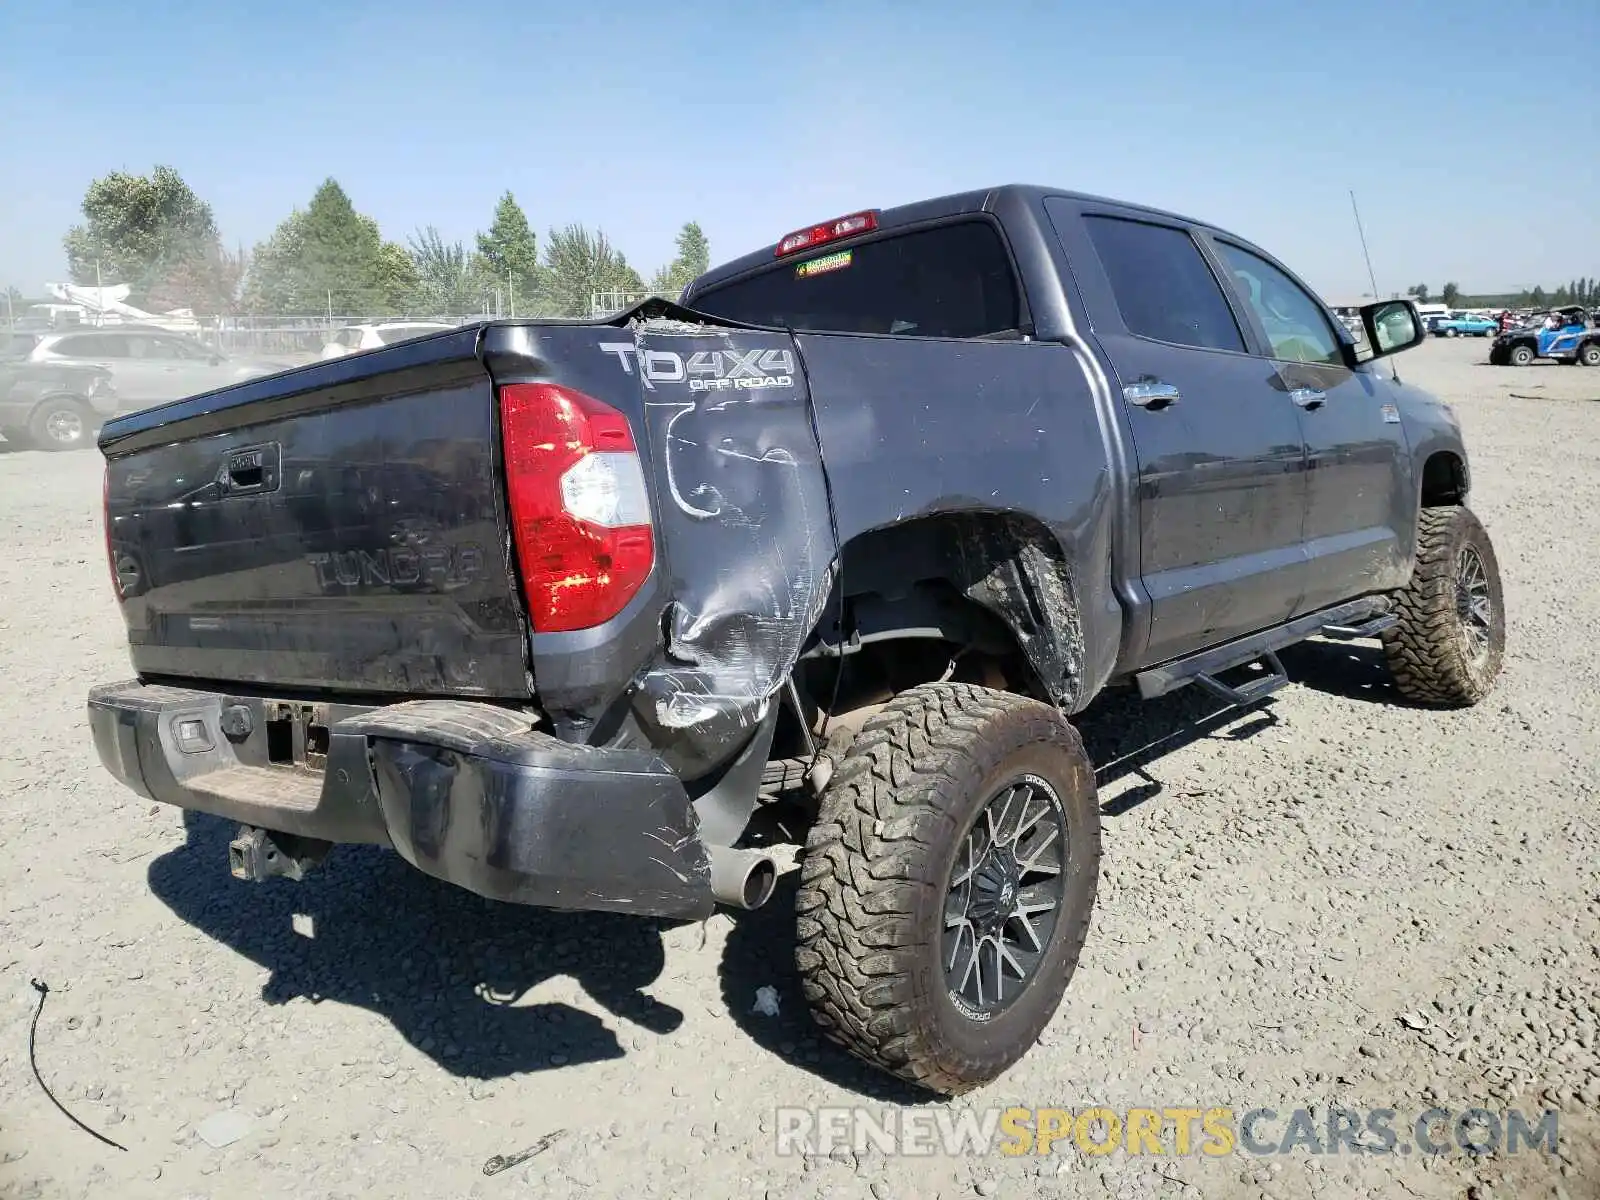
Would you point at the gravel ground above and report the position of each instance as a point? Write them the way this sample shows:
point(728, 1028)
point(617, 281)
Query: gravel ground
point(1334, 900)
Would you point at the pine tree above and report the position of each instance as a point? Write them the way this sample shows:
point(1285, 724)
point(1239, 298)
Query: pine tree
point(329, 255)
point(510, 253)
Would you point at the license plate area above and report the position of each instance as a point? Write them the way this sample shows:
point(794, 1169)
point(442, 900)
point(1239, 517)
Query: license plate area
point(297, 736)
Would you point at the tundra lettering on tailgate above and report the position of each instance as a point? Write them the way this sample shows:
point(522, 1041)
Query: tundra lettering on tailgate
point(707, 370)
point(441, 566)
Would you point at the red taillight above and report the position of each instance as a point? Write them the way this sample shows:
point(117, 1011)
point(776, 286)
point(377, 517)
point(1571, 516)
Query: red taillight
point(105, 518)
point(828, 231)
point(580, 513)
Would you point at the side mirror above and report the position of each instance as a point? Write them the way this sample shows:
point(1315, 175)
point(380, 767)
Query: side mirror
point(1390, 327)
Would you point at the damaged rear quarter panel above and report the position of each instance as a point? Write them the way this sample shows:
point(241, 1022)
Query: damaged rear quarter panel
point(744, 548)
point(921, 427)
point(742, 507)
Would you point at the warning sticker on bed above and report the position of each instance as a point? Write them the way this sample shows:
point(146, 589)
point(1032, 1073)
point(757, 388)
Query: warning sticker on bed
point(821, 266)
point(1391, 415)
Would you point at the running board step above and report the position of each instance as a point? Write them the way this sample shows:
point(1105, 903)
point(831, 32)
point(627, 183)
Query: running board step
point(1353, 633)
point(1366, 617)
point(1248, 693)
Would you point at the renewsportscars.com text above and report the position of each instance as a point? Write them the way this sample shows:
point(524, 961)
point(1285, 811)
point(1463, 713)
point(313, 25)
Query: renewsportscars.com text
point(1212, 1132)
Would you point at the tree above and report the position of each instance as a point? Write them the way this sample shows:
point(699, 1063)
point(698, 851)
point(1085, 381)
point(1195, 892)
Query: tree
point(154, 234)
point(579, 264)
point(692, 261)
point(1420, 291)
point(1450, 295)
point(449, 280)
point(329, 255)
point(510, 251)
point(1536, 297)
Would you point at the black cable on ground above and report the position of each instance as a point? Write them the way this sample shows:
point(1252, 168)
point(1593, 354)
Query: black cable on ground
point(33, 1031)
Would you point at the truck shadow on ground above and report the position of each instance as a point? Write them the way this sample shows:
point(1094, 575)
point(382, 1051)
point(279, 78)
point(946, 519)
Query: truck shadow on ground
point(453, 972)
point(450, 970)
point(1349, 670)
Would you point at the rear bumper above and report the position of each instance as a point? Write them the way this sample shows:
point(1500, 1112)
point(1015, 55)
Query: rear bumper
point(467, 792)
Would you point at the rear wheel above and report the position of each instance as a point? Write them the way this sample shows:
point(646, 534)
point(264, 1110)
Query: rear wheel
point(1589, 356)
point(1521, 356)
point(947, 884)
point(59, 423)
point(1451, 638)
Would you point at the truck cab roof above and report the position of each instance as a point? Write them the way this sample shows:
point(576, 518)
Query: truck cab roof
point(984, 200)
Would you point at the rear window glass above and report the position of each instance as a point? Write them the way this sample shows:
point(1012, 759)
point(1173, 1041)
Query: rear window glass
point(954, 281)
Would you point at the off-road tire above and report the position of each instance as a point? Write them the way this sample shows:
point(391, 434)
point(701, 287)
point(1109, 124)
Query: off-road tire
point(877, 866)
point(1429, 651)
point(1589, 355)
point(1520, 356)
point(55, 415)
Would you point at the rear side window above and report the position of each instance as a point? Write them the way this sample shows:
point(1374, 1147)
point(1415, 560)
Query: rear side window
point(1162, 285)
point(954, 281)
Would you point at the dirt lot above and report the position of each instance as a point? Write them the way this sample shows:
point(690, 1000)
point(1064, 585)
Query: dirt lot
point(1332, 900)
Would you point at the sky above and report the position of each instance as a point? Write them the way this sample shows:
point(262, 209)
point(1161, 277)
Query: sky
point(1467, 130)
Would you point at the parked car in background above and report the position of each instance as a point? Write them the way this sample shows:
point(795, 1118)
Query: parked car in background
point(1462, 324)
point(53, 406)
point(353, 338)
point(149, 365)
point(1566, 335)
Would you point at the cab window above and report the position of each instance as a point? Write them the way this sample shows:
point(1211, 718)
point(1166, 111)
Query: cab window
point(1295, 325)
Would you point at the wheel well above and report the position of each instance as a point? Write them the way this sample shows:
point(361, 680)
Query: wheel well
point(974, 597)
point(1444, 479)
point(55, 398)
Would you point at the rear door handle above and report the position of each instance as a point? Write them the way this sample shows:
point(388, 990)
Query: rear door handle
point(1151, 394)
point(1308, 398)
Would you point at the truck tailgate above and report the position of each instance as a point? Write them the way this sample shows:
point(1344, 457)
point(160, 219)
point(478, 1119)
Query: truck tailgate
point(337, 527)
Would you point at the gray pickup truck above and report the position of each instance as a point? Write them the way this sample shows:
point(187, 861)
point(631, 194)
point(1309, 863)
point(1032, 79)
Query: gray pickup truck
point(554, 608)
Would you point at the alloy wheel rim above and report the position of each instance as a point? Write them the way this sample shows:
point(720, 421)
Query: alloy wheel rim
point(64, 426)
point(1474, 603)
point(1005, 897)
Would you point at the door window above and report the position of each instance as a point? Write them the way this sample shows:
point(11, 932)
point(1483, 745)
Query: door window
point(1162, 285)
point(104, 345)
point(1294, 323)
point(154, 347)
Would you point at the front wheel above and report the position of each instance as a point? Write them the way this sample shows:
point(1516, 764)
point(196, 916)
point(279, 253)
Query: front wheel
point(1449, 333)
point(1521, 356)
point(1451, 638)
point(947, 884)
point(60, 423)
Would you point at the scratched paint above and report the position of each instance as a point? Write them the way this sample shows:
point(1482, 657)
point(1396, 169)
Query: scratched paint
point(746, 533)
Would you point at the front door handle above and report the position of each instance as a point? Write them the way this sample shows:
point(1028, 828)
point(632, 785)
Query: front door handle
point(1308, 398)
point(1151, 394)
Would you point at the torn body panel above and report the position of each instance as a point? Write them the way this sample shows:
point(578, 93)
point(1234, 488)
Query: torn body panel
point(743, 520)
